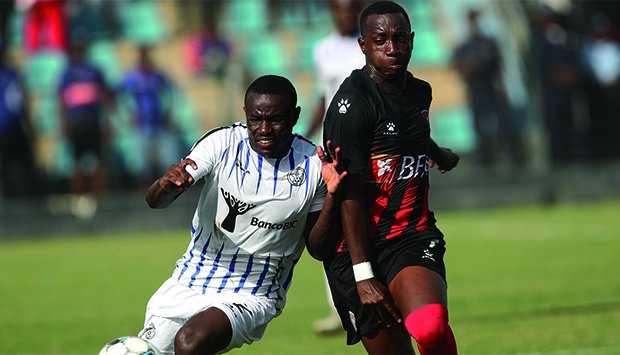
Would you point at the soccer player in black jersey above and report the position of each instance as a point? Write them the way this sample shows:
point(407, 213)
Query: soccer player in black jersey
point(387, 274)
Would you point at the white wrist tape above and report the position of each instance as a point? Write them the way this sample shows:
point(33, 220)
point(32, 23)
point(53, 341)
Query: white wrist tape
point(363, 271)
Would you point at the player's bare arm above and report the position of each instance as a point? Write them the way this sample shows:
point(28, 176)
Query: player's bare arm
point(320, 243)
point(171, 185)
point(443, 158)
point(373, 294)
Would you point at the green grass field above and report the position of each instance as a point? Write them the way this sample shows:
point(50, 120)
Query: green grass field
point(522, 281)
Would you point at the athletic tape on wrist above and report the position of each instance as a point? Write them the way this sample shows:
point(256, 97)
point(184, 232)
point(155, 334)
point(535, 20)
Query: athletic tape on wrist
point(363, 271)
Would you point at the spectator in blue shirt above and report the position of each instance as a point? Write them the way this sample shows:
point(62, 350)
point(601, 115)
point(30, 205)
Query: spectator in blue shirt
point(148, 93)
point(18, 174)
point(83, 96)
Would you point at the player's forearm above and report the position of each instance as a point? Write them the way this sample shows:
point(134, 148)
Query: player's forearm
point(355, 218)
point(355, 229)
point(435, 152)
point(322, 237)
point(158, 197)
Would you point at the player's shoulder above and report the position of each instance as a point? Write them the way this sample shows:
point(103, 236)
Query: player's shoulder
point(354, 92)
point(222, 136)
point(303, 145)
point(421, 89)
point(418, 84)
point(358, 83)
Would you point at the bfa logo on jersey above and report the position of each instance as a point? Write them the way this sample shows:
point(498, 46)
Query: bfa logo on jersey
point(236, 207)
point(384, 166)
point(297, 176)
point(343, 105)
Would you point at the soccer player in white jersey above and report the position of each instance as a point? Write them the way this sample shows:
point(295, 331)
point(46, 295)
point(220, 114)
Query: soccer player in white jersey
point(267, 192)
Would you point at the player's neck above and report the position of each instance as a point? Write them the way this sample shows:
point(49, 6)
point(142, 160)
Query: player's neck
point(395, 85)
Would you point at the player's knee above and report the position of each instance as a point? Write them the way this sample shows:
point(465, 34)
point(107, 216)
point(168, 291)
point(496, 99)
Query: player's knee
point(190, 340)
point(428, 325)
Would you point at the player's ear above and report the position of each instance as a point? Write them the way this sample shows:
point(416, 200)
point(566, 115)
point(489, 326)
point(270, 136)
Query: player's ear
point(412, 35)
point(295, 116)
point(362, 44)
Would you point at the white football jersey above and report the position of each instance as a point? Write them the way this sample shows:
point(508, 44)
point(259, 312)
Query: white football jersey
point(247, 231)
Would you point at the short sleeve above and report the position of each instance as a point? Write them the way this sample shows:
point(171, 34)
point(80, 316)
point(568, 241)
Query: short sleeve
point(208, 151)
point(348, 125)
point(319, 197)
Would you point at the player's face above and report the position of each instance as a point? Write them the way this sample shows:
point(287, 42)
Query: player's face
point(387, 44)
point(270, 120)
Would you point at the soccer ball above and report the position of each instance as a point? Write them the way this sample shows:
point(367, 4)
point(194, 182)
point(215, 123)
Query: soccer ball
point(129, 345)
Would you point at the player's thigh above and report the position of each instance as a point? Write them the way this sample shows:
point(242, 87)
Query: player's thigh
point(174, 304)
point(248, 316)
point(414, 271)
point(416, 286)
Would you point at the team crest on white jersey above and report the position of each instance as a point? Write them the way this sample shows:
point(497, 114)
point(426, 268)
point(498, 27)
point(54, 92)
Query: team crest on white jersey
point(343, 105)
point(297, 176)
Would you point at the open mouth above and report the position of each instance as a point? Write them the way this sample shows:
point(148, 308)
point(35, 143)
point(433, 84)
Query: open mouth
point(265, 142)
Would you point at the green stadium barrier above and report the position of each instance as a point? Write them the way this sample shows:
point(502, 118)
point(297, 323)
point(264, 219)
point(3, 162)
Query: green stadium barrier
point(103, 55)
point(453, 128)
point(141, 21)
point(265, 55)
point(245, 17)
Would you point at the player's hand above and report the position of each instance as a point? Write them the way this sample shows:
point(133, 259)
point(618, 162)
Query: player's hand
point(176, 177)
point(446, 161)
point(376, 299)
point(330, 167)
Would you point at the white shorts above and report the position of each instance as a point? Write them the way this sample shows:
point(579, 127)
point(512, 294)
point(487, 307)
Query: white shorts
point(173, 304)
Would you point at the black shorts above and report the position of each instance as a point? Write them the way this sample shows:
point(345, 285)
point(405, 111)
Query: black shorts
point(388, 258)
point(86, 136)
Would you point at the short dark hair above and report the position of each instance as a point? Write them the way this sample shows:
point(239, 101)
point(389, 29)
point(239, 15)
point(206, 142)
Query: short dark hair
point(275, 85)
point(380, 8)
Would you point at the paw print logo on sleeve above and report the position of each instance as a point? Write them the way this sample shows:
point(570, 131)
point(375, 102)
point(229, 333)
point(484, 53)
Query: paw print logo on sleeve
point(343, 105)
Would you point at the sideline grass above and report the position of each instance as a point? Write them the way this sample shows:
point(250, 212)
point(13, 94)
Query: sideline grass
point(522, 280)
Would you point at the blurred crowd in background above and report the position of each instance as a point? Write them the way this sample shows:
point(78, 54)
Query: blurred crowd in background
point(100, 95)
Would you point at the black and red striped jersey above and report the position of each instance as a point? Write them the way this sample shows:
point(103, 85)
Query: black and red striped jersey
point(385, 137)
